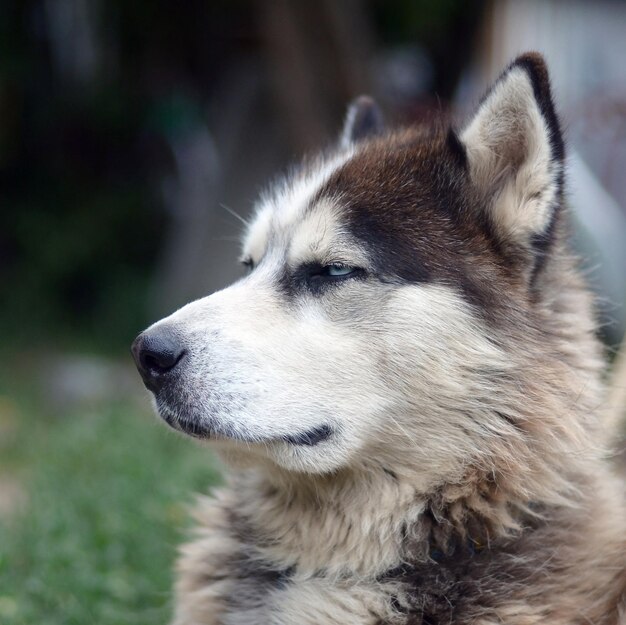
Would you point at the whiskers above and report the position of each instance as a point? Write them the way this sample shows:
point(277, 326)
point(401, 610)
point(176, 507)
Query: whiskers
point(235, 214)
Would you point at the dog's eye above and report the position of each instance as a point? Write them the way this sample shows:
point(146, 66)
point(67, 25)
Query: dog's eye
point(248, 263)
point(333, 273)
point(317, 277)
point(337, 270)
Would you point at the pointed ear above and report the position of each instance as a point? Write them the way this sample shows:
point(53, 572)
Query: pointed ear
point(515, 152)
point(363, 120)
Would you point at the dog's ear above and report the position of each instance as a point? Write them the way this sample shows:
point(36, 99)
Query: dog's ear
point(364, 120)
point(515, 152)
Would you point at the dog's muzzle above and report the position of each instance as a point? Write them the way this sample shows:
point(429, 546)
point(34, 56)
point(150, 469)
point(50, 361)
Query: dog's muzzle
point(157, 353)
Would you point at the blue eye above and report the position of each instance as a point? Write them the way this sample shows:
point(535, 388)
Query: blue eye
point(338, 271)
point(319, 277)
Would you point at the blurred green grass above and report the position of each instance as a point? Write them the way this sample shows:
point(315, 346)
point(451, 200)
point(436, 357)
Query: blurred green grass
point(103, 496)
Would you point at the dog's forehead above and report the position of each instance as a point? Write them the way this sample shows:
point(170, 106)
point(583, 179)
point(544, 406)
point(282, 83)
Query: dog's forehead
point(294, 217)
point(326, 205)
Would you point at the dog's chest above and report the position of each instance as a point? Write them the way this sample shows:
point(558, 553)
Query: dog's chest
point(289, 599)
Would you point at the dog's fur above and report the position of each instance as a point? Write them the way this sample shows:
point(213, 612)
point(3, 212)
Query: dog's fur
point(413, 435)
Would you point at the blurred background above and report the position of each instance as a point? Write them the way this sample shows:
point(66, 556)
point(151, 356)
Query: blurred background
point(132, 136)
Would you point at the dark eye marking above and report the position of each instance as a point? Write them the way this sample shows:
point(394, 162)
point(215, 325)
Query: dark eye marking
point(248, 263)
point(335, 271)
point(317, 277)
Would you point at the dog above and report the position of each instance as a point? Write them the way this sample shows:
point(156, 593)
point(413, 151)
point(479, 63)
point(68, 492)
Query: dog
point(406, 388)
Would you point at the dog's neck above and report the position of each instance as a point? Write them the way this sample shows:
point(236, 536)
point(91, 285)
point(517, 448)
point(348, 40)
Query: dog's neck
point(366, 523)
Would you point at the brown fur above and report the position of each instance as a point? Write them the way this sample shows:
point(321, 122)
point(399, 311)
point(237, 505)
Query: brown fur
point(531, 528)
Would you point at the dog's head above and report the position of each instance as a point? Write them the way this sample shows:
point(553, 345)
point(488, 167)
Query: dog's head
point(394, 303)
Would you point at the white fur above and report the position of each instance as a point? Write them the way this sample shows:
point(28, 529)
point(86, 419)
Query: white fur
point(509, 152)
point(284, 205)
point(441, 418)
point(345, 141)
point(264, 367)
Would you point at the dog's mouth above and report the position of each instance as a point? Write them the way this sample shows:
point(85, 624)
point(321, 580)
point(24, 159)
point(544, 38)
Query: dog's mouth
point(192, 428)
point(199, 430)
point(310, 438)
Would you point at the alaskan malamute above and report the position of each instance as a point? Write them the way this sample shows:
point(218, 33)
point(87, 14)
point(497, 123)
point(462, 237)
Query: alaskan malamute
point(406, 388)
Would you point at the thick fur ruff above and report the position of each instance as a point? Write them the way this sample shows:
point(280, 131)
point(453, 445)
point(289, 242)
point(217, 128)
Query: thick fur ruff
point(407, 390)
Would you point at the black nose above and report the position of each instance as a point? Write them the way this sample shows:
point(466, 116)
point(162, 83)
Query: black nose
point(156, 353)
